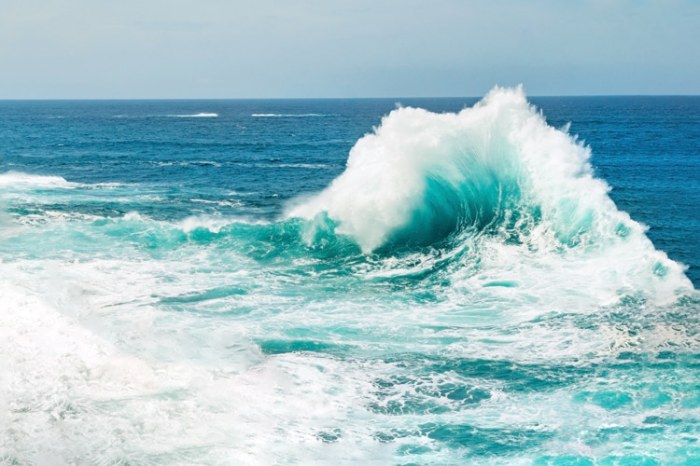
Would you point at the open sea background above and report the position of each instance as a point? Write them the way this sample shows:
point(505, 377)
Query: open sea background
point(175, 290)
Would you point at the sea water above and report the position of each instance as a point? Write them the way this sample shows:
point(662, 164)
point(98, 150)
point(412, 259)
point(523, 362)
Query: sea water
point(388, 281)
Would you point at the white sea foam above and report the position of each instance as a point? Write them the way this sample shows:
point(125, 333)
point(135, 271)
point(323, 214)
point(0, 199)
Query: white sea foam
point(27, 181)
point(187, 163)
point(19, 181)
point(63, 379)
point(222, 203)
point(196, 115)
point(86, 348)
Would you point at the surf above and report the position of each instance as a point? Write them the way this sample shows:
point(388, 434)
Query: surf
point(465, 292)
point(495, 179)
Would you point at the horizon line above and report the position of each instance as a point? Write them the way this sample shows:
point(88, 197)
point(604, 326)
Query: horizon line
point(152, 99)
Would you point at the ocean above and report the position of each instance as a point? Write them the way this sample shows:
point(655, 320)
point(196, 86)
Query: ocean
point(505, 280)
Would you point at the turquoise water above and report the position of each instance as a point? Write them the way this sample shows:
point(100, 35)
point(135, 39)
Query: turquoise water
point(431, 281)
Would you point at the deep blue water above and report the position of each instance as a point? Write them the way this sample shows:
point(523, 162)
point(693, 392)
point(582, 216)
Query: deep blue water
point(464, 293)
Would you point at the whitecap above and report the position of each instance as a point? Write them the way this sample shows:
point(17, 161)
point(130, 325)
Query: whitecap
point(26, 180)
point(195, 115)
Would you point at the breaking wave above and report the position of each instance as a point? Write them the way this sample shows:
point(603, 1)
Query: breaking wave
point(496, 181)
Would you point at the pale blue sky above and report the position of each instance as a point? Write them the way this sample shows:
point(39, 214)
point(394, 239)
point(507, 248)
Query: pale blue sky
point(343, 48)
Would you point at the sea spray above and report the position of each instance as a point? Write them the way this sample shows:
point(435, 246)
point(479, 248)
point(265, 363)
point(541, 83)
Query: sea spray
point(496, 173)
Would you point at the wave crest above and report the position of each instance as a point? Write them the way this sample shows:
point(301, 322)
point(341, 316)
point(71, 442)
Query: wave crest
point(496, 170)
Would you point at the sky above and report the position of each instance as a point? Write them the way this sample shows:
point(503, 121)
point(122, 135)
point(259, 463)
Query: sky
point(84, 49)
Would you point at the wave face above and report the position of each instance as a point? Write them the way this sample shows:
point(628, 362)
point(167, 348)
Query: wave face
point(494, 175)
point(463, 292)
